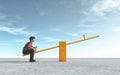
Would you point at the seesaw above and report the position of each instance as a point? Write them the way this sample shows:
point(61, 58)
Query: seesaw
point(62, 47)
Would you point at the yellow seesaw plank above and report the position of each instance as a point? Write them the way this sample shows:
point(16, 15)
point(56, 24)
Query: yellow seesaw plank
point(70, 43)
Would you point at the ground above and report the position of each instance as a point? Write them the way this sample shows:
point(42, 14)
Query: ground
point(48, 66)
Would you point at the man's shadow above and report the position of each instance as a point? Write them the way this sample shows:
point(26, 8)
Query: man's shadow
point(39, 61)
point(14, 61)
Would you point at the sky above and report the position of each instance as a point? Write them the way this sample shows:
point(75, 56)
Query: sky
point(51, 21)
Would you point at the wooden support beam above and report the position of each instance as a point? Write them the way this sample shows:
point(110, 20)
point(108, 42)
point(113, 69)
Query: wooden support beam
point(70, 43)
point(62, 51)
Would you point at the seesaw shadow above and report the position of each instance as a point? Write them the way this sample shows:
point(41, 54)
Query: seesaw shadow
point(38, 60)
point(28, 61)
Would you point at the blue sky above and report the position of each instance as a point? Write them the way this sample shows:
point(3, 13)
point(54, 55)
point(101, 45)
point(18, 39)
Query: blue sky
point(51, 21)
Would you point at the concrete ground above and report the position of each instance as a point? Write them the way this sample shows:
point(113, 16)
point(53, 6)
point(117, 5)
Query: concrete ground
point(78, 66)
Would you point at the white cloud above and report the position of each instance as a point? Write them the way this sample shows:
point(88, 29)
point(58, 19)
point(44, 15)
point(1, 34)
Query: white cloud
point(21, 40)
point(116, 29)
point(7, 22)
point(44, 12)
point(18, 17)
point(85, 13)
point(2, 16)
point(103, 6)
point(41, 11)
point(14, 31)
point(73, 34)
point(1, 8)
point(88, 31)
point(80, 33)
point(6, 26)
point(56, 29)
point(49, 39)
point(4, 44)
point(85, 25)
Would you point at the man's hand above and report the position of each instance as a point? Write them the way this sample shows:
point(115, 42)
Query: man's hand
point(34, 48)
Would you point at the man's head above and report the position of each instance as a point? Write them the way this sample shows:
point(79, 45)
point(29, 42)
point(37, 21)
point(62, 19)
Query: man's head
point(32, 38)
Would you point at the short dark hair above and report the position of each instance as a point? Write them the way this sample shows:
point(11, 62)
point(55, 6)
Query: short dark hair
point(32, 37)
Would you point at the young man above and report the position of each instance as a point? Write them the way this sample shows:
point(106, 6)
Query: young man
point(29, 49)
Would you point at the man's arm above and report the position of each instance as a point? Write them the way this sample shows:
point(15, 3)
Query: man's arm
point(31, 47)
point(34, 48)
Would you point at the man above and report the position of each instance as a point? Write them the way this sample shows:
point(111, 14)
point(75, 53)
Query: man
point(29, 49)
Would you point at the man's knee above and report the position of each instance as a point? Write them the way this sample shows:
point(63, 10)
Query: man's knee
point(31, 51)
